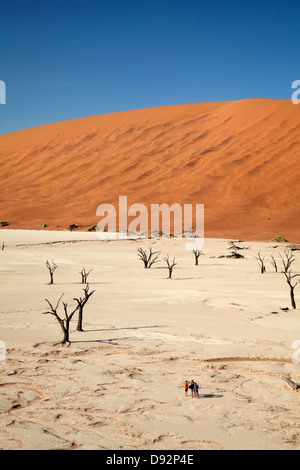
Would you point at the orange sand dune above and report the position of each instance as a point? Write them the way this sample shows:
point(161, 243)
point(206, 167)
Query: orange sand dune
point(239, 158)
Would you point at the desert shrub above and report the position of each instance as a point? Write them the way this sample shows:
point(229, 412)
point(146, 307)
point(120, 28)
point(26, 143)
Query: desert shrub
point(92, 228)
point(279, 239)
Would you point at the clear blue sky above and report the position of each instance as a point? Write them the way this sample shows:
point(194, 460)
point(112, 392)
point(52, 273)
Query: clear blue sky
point(65, 59)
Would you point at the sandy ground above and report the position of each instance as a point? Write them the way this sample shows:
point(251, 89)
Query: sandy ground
point(119, 384)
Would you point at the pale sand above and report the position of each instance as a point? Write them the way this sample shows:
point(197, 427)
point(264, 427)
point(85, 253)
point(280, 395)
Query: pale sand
point(119, 385)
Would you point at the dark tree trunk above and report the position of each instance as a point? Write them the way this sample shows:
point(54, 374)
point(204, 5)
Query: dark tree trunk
point(66, 332)
point(293, 302)
point(79, 323)
point(80, 305)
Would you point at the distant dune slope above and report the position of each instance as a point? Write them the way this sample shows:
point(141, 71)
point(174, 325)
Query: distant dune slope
point(239, 158)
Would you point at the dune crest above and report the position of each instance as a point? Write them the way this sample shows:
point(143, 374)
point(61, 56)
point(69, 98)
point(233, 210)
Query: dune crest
point(239, 158)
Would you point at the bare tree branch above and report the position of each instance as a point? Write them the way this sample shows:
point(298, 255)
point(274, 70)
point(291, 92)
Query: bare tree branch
point(273, 262)
point(170, 265)
point(197, 254)
point(84, 275)
point(291, 383)
point(63, 322)
point(287, 260)
point(80, 305)
point(51, 270)
point(149, 259)
point(261, 262)
point(233, 246)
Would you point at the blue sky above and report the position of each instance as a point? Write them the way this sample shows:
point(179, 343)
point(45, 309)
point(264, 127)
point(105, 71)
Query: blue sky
point(66, 59)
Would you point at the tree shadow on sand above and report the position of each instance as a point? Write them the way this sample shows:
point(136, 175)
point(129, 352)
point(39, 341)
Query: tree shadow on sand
point(127, 328)
point(111, 341)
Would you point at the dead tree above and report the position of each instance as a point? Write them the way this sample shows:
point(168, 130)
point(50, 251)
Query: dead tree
point(73, 227)
point(84, 275)
point(287, 262)
point(51, 270)
point(64, 322)
point(291, 383)
point(2, 246)
point(233, 246)
point(170, 265)
point(235, 254)
point(149, 259)
point(261, 262)
point(294, 247)
point(80, 304)
point(273, 262)
point(289, 277)
point(197, 254)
